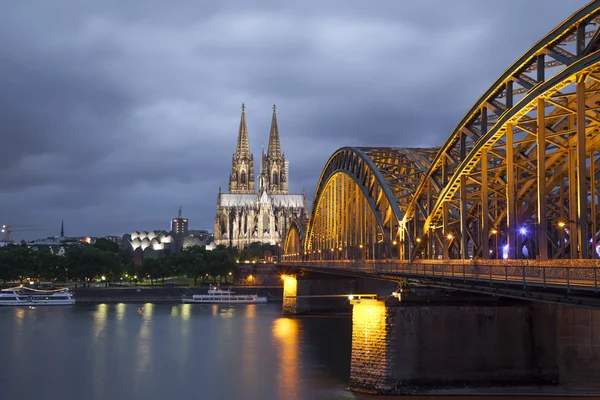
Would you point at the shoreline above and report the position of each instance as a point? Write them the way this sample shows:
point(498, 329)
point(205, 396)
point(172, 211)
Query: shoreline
point(143, 294)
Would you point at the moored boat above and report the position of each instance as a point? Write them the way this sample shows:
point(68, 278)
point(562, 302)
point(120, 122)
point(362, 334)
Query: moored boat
point(24, 296)
point(217, 295)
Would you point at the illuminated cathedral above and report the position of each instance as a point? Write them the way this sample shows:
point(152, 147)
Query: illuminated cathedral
point(246, 215)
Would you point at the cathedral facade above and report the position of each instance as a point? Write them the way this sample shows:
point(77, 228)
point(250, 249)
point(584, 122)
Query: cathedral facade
point(247, 213)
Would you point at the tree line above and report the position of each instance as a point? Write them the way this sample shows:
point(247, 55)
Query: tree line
point(104, 261)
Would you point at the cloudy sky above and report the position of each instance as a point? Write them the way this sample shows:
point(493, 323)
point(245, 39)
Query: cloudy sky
point(114, 113)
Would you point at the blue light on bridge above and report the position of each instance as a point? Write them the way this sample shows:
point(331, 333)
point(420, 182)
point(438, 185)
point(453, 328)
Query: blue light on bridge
point(505, 252)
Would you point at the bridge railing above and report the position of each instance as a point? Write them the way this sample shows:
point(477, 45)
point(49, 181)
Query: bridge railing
point(585, 275)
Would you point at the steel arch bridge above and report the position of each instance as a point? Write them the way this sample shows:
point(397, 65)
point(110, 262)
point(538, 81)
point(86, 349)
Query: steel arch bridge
point(516, 179)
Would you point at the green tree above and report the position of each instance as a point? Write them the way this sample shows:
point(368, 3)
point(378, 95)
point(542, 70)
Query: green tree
point(9, 268)
point(106, 245)
point(89, 263)
point(191, 262)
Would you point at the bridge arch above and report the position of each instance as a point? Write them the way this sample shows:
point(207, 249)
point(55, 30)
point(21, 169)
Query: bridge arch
point(293, 247)
point(360, 199)
point(517, 178)
point(518, 173)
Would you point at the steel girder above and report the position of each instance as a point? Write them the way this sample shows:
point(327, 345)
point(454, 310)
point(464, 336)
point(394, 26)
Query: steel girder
point(293, 247)
point(517, 178)
point(515, 173)
point(361, 197)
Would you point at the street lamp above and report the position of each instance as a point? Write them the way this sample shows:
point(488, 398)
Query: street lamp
point(495, 233)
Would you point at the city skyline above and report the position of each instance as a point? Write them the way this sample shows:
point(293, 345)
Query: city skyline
point(115, 116)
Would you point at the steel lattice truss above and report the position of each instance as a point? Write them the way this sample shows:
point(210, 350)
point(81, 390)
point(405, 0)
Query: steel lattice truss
point(517, 178)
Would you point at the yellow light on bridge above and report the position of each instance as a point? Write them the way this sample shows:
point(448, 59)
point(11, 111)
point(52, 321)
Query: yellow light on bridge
point(450, 236)
point(494, 231)
point(418, 240)
point(394, 242)
point(562, 224)
point(360, 246)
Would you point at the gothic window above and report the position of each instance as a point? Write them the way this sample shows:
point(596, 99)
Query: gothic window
point(265, 221)
point(243, 176)
point(275, 180)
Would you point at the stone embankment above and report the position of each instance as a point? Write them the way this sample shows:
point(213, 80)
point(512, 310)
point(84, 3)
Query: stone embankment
point(161, 294)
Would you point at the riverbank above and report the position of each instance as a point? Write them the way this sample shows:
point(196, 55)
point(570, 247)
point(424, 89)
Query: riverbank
point(147, 294)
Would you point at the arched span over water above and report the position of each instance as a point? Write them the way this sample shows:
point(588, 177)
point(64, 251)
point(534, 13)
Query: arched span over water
point(517, 177)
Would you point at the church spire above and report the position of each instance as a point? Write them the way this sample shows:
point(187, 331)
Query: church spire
point(241, 179)
point(62, 228)
point(274, 150)
point(243, 149)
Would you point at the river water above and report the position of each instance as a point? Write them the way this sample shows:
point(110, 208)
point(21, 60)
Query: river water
point(167, 351)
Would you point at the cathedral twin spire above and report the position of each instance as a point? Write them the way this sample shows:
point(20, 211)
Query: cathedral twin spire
point(273, 172)
point(274, 149)
point(243, 149)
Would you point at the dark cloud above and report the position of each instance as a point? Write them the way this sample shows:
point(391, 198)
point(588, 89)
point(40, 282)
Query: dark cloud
point(115, 113)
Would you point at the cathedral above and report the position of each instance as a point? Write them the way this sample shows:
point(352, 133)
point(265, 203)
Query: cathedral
point(246, 215)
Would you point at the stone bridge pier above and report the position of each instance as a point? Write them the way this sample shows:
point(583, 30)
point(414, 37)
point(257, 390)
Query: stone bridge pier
point(404, 348)
point(441, 342)
point(319, 293)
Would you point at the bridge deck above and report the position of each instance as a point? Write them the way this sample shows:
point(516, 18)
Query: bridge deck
point(559, 284)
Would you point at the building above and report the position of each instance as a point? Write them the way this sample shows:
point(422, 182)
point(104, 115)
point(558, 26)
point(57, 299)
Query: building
point(179, 225)
point(148, 244)
point(245, 214)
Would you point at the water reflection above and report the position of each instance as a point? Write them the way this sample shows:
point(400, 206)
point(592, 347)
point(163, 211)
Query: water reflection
point(286, 331)
point(227, 312)
point(147, 311)
point(186, 311)
point(175, 311)
point(19, 315)
point(250, 353)
point(143, 354)
point(130, 351)
point(99, 361)
point(290, 290)
point(100, 320)
point(18, 337)
point(250, 311)
point(120, 311)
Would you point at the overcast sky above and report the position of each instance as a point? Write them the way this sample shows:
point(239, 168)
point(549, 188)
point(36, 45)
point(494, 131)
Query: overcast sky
point(114, 113)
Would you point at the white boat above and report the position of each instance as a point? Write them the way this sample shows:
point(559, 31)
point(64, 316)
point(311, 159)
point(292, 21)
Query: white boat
point(23, 296)
point(217, 295)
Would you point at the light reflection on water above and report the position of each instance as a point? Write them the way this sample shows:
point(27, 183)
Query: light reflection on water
point(162, 351)
point(159, 351)
point(121, 311)
point(286, 332)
